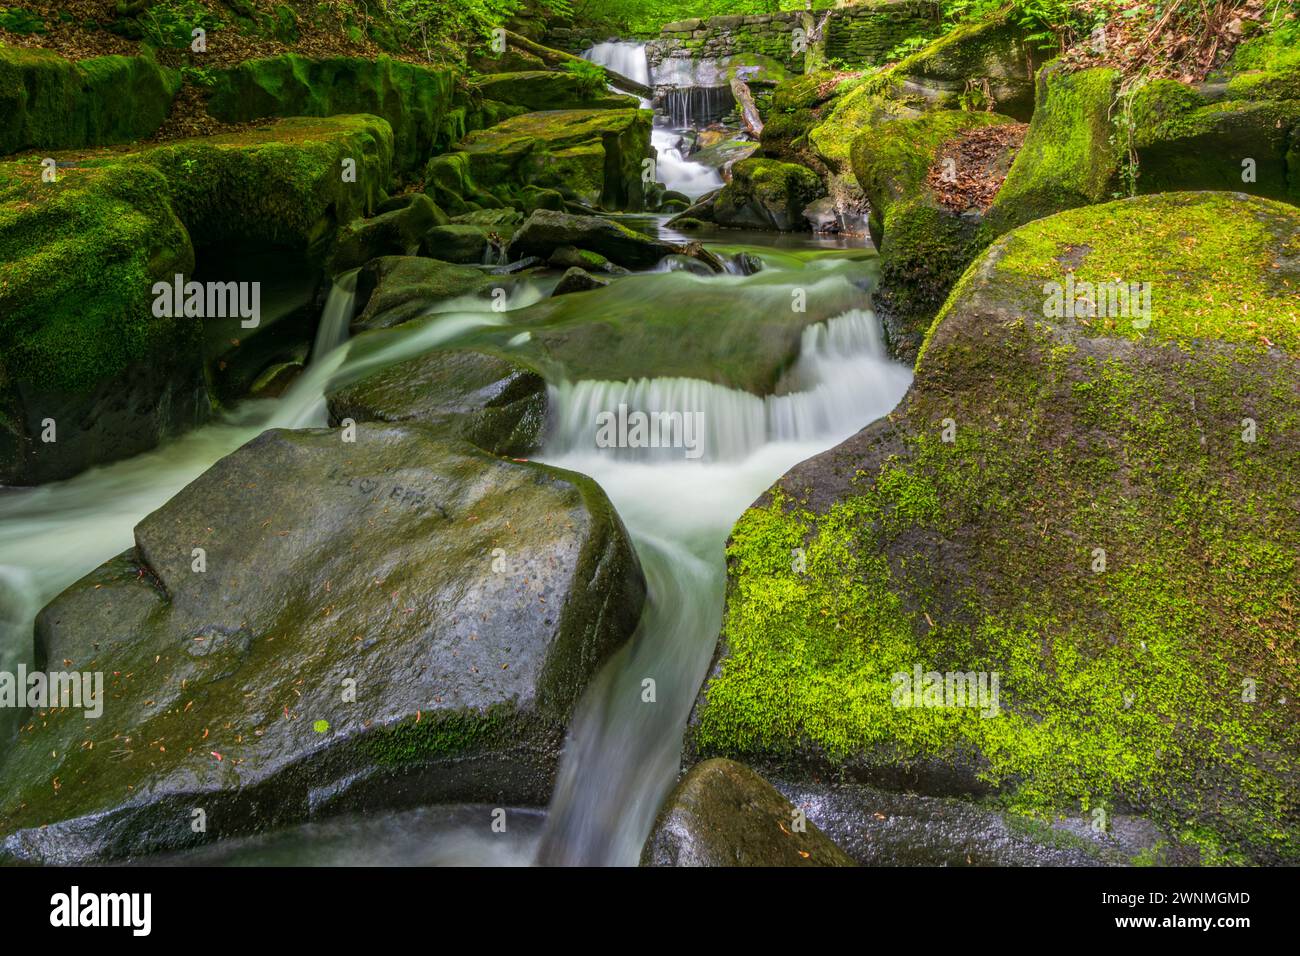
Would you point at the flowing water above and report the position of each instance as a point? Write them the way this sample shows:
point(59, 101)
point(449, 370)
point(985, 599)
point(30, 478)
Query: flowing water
point(623, 753)
point(671, 169)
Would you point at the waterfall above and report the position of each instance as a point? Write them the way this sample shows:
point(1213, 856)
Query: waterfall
point(622, 57)
point(671, 167)
point(334, 321)
point(623, 753)
point(842, 367)
point(695, 106)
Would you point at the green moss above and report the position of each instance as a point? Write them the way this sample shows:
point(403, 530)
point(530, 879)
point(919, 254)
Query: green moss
point(1068, 157)
point(415, 100)
point(438, 736)
point(1119, 688)
point(1176, 242)
point(53, 103)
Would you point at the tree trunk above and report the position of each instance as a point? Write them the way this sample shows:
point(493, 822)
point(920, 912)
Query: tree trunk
point(748, 111)
point(559, 58)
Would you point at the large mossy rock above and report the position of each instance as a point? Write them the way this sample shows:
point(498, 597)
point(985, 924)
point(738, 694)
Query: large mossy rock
point(79, 341)
point(723, 814)
point(419, 102)
point(733, 331)
point(767, 194)
point(924, 245)
point(49, 102)
point(395, 621)
point(591, 155)
point(80, 346)
point(397, 232)
point(1098, 510)
point(396, 289)
point(549, 90)
point(992, 51)
point(1069, 157)
point(1088, 143)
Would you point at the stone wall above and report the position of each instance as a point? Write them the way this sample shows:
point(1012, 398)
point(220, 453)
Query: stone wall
point(859, 35)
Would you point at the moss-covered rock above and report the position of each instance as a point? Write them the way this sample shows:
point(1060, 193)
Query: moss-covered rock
point(1096, 506)
point(495, 404)
point(767, 194)
point(81, 343)
point(285, 182)
point(49, 102)
point(550, 90)
point(1184, 138)
point(417, 101)
point(924, 246)
point(594, 156)
point(396, 289)
point(394, 233)
point(987, 64)
point(1088, 142)
point(739, 332)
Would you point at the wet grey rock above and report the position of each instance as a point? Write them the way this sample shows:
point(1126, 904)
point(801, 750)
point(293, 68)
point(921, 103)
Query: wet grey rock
point(892, 828)
point(723, 814)
point(545, 231)
point(464, 600)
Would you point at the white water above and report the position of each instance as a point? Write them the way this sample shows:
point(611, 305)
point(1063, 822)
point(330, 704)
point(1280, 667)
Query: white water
point(624, 753)
point(671, 169)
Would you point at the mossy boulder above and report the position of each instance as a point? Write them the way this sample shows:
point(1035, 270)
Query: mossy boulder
point(593, 156)
point(723, 814)
point(396, 289)
point(1095, 505)
point(857, 110)
point(80, 346)
point(399, 620)
point(80, 342)
point(417, 101)
point(986, 64)
point(924, 245)
point(394, 233)
point(465, 242)
point(1185, 138)
point(1069, 157)
point(1088, 143)
point(282, 182)
point(449, 182)
point(550, 90)
point(545, 233)
point(738, 332)
point(49, 102)
point(767, 194)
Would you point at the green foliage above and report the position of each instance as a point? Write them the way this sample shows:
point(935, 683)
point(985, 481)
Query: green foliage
point(170, 24)
point(20, 20)
point(591, 78)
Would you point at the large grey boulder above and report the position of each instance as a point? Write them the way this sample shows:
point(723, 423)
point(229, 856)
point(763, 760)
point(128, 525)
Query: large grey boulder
point(316, 625)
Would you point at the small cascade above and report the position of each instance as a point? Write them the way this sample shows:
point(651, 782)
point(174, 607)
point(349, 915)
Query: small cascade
point(843, 367)
point(623, 57)
point(695, 107)
point(676, 172)
point(334, 321)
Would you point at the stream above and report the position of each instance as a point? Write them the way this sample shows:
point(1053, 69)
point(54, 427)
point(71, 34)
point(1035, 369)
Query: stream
point(623, 753)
